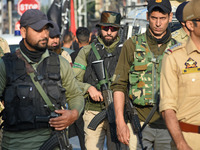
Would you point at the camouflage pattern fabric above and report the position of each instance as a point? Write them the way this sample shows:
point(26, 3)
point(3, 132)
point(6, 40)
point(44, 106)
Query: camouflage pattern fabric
point(4, 48)
point(144, 76)
point(1, 52)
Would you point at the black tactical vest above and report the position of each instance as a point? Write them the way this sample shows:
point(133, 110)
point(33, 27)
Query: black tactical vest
point(110, 62)
point(23, 103)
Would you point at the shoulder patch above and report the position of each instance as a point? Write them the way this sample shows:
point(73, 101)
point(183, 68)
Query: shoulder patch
point(173, 48)
point(174, 34)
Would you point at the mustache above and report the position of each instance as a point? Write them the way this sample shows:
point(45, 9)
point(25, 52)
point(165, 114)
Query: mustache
point(108, 36)
point(45, 39)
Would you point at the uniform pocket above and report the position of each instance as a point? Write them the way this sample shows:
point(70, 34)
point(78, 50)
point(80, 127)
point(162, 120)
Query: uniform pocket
point(191, 84)
point(133, 78)
point(26, 108)
point(53, 91)
point(11, 105)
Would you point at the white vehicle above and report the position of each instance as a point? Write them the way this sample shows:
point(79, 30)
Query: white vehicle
point(13, 41)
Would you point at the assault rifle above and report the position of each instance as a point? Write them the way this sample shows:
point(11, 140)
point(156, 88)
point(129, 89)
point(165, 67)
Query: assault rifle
point(109, 112)
point(123, 32)
point(58, 138)
point(134, 120)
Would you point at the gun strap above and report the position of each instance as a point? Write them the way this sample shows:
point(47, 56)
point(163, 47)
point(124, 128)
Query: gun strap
point(31, 73)
point(42, 92)
point(153, 110)
point(95, 51)
point(98, 58)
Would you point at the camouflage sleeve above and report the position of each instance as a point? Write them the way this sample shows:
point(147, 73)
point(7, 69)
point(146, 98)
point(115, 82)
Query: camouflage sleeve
point(120, 78)
point(66, 55)
point(4, 46)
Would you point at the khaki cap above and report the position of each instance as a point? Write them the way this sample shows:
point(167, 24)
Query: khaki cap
point(191, 10)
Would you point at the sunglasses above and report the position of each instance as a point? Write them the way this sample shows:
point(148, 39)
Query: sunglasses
point(106, 28)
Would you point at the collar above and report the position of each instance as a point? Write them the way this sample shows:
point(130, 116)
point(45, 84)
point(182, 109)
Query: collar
point(190, 46)
point(166, 38)
point(29, 55)
point(183, 33)
point(110, 48)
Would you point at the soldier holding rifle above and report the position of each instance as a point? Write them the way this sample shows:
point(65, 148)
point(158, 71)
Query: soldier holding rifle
point(138, 69)
point(34, 84)
point(106, 47)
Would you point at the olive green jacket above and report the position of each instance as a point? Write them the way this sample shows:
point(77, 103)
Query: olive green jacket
point(81, 62)
point(33, 139)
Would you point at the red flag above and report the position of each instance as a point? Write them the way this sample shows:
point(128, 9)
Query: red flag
point(72, 18)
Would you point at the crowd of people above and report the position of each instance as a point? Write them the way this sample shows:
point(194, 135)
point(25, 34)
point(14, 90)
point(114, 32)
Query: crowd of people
point(49, 86)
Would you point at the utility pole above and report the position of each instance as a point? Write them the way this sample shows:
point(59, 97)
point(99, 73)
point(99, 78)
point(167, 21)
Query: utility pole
point(10, 15)
point(82, 12)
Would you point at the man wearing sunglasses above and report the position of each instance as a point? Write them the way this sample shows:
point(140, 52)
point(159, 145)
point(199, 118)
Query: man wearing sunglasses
point(180, 85)
point(138, 74)
point(108, 48)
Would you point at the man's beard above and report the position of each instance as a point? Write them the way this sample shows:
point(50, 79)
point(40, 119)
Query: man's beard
point(108, 42)
point(37, 46)
point(53, 48)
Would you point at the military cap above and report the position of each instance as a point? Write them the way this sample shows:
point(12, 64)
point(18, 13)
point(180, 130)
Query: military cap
point(191, 10)
point(35, 19)
point(179, 11)
point(165, 5)
point(54, 31)
point(110, 18)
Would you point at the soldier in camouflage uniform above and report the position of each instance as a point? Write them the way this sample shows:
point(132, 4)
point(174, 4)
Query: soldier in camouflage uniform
point(138, 73)
point(4, 48)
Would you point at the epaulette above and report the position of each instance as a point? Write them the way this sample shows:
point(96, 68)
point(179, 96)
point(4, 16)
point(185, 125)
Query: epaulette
point(174, 34)
point(173, 48)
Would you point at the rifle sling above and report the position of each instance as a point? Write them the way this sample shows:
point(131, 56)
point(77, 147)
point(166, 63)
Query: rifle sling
point(95, 51)
point(153, 110)
point(31, 73)
point(98, 58)
point(42, 92)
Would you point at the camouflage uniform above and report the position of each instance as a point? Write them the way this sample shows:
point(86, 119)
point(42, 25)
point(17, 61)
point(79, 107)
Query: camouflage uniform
point(4, 48)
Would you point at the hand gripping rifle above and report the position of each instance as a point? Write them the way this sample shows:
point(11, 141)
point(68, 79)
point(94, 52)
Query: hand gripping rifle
point(134, 120)
point(58, 138)
point(109, 112)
